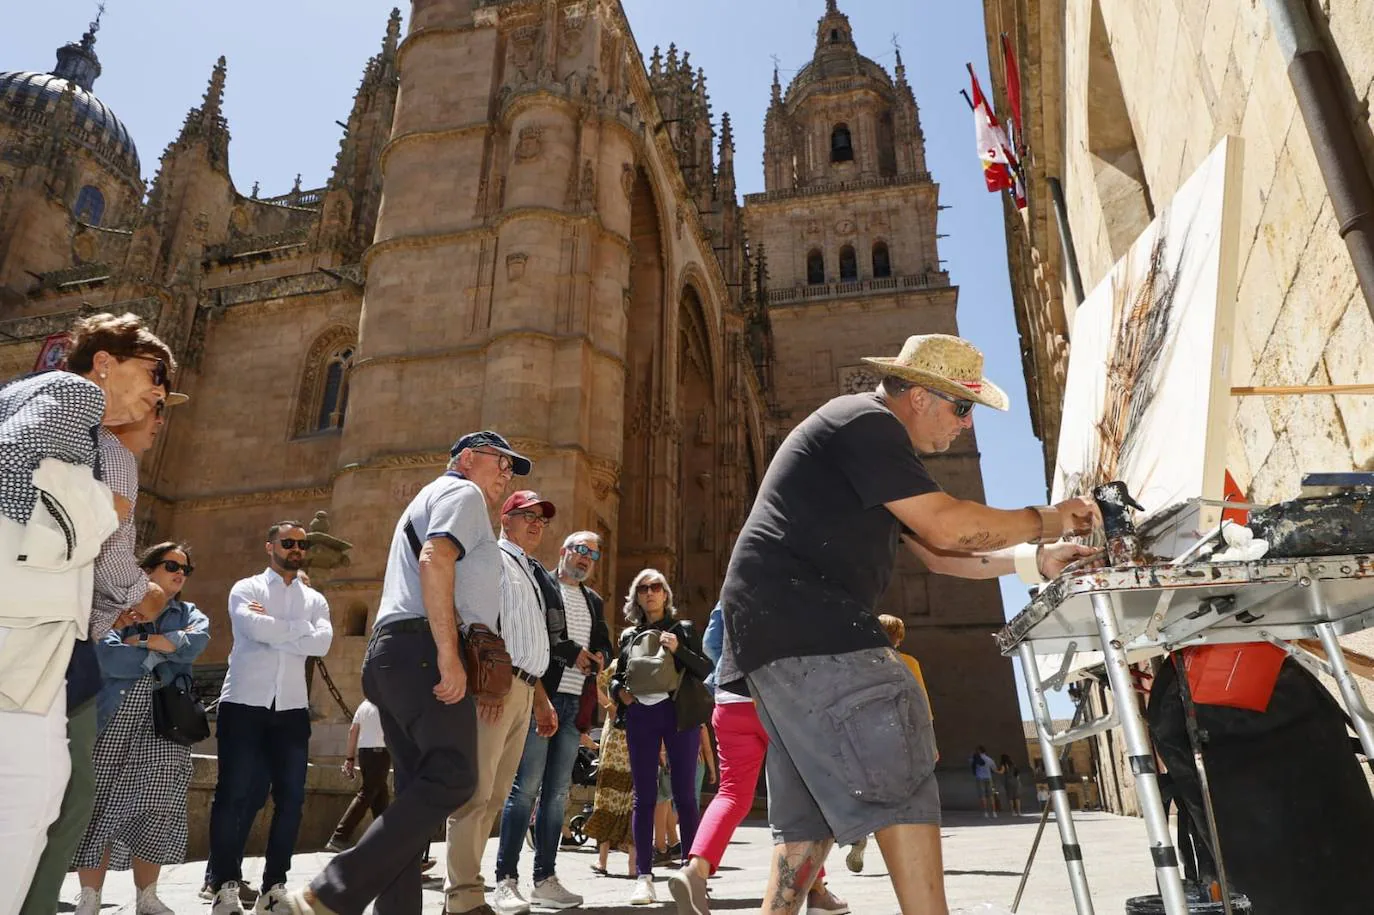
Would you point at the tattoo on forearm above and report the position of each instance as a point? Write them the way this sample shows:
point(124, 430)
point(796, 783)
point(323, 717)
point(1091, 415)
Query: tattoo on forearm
point(796, 872)
point(982, 540)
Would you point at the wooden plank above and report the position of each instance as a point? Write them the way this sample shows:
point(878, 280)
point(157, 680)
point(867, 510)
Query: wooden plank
point(1287, 389)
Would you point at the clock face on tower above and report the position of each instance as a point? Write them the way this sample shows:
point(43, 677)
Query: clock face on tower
point(845, 227)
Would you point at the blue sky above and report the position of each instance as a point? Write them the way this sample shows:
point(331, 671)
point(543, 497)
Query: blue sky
point(293, 66)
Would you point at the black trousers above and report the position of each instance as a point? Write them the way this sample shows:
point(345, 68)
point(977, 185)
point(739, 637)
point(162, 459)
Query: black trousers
point(374, 765)
point(434, 749)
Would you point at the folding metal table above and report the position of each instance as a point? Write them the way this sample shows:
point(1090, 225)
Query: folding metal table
point(1132, 613)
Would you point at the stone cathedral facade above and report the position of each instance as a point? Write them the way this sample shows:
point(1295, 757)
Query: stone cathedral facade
point(532, 227)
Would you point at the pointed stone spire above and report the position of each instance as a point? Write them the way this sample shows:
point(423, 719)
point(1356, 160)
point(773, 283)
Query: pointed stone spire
point(207, 122)
point(900, 70)
point(656, 63)
point(777, 87)
point(76, 61)
point(212, 104)
point(672, 59)
point(834, 31)
point(393, 35)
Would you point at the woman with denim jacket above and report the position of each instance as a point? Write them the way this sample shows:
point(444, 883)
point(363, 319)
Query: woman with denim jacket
point(141, 778)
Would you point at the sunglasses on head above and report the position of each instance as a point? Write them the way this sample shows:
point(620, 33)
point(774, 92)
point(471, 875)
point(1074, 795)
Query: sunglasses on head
point(159, 370)
point(962, 408)
point(171, 565)
point(582, 549)
point(288, 544)
point(653, 586)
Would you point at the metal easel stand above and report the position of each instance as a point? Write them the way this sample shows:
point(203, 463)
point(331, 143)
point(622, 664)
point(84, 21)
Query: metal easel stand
point(1360, 715)
point(1141, 756)
point(1054, 777)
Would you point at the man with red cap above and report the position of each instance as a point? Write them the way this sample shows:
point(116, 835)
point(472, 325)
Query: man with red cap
point(502, 724)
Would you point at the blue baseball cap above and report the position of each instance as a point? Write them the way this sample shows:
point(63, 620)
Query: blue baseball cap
point(520, 464)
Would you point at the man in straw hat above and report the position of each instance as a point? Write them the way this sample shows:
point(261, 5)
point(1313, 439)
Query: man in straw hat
point(801, 627)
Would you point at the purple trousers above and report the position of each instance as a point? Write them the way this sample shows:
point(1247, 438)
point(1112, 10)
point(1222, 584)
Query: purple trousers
point(646, 728)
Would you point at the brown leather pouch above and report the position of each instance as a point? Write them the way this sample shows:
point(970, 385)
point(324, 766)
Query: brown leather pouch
point(488, 663)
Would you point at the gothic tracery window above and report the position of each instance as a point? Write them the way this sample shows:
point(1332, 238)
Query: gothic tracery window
point(849, 264)
point(815, 268)
point(323, 399)
point(882, 261)
point(841, 145)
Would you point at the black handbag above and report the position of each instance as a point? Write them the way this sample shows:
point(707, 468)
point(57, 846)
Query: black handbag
point(178, 714)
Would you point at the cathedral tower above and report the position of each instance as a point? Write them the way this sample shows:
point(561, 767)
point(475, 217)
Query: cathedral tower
point(847, 229)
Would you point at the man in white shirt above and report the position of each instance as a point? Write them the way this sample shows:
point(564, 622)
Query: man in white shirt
point(263, 730)
point(366, 754)
point(443, 575)
point(580, 644)
point(501, 726)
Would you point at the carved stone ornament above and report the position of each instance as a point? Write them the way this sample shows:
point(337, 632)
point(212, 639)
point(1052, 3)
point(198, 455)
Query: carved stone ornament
point(627, 179)
point(83, 247)
point(515, 265)
point(681, 218)
point(813, 227)
point(845, 227)
point(528, 146)
point(588, 182)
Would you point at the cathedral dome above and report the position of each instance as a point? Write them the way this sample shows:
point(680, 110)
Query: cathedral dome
point(836, 66)
point(28, 99)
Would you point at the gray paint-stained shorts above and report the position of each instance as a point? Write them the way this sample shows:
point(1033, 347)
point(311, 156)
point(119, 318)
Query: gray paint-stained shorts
point(852, 747)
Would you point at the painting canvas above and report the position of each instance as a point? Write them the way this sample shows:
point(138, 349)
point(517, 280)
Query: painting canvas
point(1147, 395)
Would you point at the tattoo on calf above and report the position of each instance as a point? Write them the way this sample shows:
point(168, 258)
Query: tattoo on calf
point(796, 872)
point(983, 540)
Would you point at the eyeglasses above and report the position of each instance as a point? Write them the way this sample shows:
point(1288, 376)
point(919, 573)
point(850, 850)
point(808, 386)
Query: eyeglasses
point(654, 586)
point(171, 565)
point(962, 408)
point(530, 517)
point(159, 370)
point(582, 549)
point(160, 408)
point(504, 462)
point(288, 544)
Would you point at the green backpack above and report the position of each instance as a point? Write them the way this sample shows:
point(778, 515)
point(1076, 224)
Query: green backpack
point(650, 667)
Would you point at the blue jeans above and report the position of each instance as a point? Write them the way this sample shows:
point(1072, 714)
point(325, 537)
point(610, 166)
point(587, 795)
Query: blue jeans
point(547, 763)
point(257, 745)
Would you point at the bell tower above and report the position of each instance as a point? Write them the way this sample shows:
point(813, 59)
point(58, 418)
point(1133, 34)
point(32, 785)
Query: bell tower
point(847, 227)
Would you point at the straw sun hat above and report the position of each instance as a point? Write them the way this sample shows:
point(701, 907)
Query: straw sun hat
point(950, 365)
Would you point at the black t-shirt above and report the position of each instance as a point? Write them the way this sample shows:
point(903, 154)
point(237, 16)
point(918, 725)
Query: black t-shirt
point(818, 549)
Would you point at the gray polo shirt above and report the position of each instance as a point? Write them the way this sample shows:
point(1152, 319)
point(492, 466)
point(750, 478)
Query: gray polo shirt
point(454, 508)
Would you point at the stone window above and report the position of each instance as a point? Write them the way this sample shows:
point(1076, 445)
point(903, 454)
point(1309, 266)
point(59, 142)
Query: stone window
point(90, 205)
point(834, 36)
point(882, 261)
point(849, 264)
point(841, 145)
point(815, 268)
point(323, 399)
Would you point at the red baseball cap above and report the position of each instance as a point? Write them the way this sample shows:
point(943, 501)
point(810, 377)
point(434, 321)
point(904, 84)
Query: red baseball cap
point(527, 498)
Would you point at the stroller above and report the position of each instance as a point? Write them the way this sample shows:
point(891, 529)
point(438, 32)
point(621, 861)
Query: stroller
point(582, 791)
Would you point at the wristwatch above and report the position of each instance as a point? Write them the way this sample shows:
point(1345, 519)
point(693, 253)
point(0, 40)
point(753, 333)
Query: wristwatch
point(143, 638)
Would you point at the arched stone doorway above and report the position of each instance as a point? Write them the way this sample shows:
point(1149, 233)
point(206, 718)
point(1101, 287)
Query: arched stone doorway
point(646, 528)
point(700, 532)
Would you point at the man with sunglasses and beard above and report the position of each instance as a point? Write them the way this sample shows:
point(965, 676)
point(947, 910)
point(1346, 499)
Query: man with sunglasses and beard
point(802, 634)
point(263, 731)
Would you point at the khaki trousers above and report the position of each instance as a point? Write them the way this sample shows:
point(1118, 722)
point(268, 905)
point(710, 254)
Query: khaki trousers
point(499, 747)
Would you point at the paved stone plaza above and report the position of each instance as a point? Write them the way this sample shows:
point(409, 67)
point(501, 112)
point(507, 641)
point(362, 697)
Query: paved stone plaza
point(983, 861)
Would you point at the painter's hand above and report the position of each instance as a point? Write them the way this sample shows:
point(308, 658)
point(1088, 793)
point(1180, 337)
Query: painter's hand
point(1078, 515)
point(1055, 556)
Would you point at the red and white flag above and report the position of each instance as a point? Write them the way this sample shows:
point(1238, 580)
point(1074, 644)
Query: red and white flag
point(1013, 72)
point(1000, 165)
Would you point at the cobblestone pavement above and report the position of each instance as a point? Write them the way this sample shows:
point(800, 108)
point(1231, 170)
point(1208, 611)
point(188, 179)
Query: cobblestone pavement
point(983, 861)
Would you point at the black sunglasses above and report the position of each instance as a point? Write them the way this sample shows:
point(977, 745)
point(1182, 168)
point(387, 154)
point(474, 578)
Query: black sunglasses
point(652, 586)
point(582, 549)
point(171, 565)
point(159, 370)
point(288, 544)
point(962, 408)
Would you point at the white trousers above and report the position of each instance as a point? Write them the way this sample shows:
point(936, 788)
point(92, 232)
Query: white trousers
point(34, 769)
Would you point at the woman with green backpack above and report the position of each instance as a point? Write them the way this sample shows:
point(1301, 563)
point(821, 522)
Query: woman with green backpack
point(661, 698)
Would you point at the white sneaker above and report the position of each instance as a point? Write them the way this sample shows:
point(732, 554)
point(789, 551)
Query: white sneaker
point(507, 899)
point(550, 893)
point(272, 902)
point(149, 904)
point(644, 891)
point(88, 903)
point(227, 900)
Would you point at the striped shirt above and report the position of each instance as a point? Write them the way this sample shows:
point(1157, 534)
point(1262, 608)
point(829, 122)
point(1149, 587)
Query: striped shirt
point(524, 623)
point(578, 617)
point(119, 582)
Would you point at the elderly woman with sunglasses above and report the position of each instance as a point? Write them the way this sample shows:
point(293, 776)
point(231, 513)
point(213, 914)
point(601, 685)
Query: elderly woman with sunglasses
point(653, 719)
point(141, 778)
point(55, 513)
